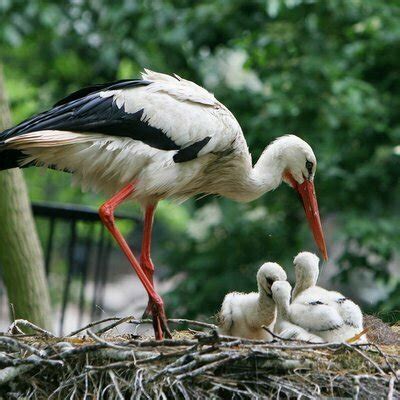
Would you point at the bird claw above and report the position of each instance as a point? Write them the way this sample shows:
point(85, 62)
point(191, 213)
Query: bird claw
point(160, 324)
point(147, 312)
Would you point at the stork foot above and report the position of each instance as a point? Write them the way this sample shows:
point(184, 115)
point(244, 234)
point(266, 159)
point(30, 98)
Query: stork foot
point(147, 312)
point(160, 324)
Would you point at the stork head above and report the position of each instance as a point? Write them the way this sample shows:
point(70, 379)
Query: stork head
point(306, 269)
point(281, 292)
point(299, 164)
point(268, 274)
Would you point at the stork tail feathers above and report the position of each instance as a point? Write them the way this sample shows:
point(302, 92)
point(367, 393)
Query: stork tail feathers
point(10, 158)
point(14, 151)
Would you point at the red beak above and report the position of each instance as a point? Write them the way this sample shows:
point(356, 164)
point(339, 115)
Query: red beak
point(308, 198)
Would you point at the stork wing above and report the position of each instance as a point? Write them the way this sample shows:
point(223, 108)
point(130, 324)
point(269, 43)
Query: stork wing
point(164, 112)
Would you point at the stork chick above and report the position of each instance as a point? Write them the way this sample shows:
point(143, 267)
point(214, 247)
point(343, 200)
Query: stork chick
point(326, 313)
point(284, 327)
point(244, 314)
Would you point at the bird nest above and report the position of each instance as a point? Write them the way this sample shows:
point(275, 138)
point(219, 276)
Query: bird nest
point(196, 363)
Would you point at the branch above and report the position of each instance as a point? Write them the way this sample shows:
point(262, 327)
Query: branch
point(378, 368)
point(113, 325)
point(91, 325)
point(29, 325)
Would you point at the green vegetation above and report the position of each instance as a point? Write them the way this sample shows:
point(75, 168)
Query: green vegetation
point(325, 70)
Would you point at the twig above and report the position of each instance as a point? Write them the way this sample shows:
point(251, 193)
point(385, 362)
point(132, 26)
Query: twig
point(10, 373)
point(164, 342)
point(114, 365)
point(215, 337)
point(73, 380)
point(211, 365)
point(386, 360)
point(282, 346)
point(132, 320)
point(91, 325)
point(378, 368)
point(274, 335)
point(75, 351)
point(234, 343)
point(285, 365)
point(32, 360)
point(113, 325)
point(192, 322)
point(310, 346)
point(104, 342)
point(117, 389)
point(196, 360)
point(391, 388)
point(29, 325)
point(122, 355)
point(17, 345)
point(19, 335)
point(164, 356)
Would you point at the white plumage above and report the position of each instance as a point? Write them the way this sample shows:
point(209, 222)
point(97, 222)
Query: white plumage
point(284, 325)
point(325, 313)
point(186, 113)
point(244, 314)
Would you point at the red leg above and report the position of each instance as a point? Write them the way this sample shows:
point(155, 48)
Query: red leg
point(106, 213)
point(145, 257)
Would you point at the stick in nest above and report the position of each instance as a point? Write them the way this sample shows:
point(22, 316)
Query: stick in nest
point(362, 354)
point(274, 335)
point(92, 324)
point(23, 322)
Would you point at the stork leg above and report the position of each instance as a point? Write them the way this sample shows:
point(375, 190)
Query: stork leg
point(106, 213)
point(145, 257)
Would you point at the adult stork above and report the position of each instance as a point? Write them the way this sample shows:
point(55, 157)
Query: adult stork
point(153, 138)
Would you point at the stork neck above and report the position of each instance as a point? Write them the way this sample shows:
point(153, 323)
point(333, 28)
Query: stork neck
point(282, 306)
point(303, 282)
point(300, 287)
point(266, 175)
point(264, 298)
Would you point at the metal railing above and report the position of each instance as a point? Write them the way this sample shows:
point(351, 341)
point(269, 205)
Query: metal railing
point(87, 252)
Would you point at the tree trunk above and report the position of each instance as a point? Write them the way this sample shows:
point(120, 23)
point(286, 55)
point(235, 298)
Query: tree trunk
point(21, 258)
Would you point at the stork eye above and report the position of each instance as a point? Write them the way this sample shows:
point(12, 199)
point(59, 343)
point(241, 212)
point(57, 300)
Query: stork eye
point(316, 303)
point(270, 281)
point(309, 166)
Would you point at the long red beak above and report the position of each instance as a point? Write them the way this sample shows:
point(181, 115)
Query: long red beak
point(308, 198)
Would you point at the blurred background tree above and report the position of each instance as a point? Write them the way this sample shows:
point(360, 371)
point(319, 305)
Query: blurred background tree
point(21, 258)
point(325, 70)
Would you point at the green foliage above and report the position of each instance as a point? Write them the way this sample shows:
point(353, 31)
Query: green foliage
point(325, 70)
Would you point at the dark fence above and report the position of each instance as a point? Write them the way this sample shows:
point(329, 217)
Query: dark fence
point(86, 251)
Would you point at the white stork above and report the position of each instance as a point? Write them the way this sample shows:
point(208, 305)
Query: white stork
point(152, 138)
point(324, 312)
point(284, 326)
point(244, 314)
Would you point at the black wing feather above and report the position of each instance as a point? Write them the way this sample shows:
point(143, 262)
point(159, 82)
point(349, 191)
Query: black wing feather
point(86, 111)
point(190, 152)
point(123, 83)
point(10, 158)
